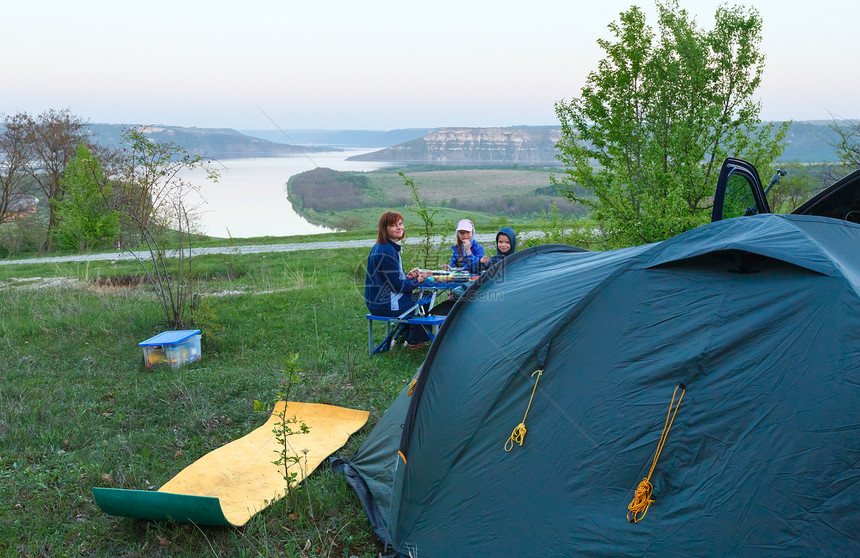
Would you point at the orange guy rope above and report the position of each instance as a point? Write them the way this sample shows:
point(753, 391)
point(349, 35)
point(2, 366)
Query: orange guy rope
point(519, 433)
point(642, 496)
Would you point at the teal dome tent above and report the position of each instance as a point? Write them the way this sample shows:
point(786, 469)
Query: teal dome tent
point(745, 332)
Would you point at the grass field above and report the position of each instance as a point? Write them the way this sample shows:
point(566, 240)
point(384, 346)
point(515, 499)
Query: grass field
point(520, 194)
point(78, 409)
point(445, 218)
point(439, 186)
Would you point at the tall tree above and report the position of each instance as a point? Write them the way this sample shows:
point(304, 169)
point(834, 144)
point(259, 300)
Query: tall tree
point(85, 218)
point(53, 138)
point(14, 157)
point(654, 122)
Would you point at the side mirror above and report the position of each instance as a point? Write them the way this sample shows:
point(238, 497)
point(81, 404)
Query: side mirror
point(774, 180)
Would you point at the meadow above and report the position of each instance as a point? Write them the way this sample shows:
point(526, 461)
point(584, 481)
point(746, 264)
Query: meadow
point(79, 409)
point(348, 200)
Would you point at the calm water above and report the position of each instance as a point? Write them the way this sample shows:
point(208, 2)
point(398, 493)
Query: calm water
point(250, 198)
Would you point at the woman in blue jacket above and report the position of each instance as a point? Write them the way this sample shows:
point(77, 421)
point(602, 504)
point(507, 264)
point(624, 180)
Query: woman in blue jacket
point(388, 290)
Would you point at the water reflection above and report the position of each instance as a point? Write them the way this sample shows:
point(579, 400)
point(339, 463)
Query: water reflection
point(250, 199)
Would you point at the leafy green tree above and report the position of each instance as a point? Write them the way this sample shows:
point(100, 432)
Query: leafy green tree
point(84, 216)
point(654, 122)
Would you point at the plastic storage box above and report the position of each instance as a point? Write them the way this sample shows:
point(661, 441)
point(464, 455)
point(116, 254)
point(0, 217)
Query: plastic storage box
point(171, 348)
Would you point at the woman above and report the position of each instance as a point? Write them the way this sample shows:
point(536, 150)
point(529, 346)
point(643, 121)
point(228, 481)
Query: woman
point(387, 288)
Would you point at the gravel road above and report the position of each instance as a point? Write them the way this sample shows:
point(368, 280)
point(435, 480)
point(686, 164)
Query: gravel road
point(484, 239)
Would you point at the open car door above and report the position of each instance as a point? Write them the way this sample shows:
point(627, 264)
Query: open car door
point(839, 201)
point(739, 191)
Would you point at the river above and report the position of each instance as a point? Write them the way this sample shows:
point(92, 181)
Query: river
point(250, 198)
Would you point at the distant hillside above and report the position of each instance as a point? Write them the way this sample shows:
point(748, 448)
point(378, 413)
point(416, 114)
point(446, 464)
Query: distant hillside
point(475, 146)
point(808, 142)
point(218, 143)
point(341, 138)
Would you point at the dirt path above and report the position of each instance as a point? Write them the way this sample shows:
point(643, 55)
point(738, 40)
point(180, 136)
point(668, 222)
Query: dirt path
point(484, 239)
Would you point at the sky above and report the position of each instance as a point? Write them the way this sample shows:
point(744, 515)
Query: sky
point(375, 64)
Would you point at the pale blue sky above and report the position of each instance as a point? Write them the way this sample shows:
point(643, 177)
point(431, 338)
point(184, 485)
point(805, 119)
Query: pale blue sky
point(373, 64)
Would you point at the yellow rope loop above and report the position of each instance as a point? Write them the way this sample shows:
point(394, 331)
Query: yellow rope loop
point(642, 496)
point(412, 386)
point(641, 501)
point(519, 433)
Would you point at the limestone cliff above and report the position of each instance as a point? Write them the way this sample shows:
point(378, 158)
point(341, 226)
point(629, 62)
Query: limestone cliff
point(475, 146)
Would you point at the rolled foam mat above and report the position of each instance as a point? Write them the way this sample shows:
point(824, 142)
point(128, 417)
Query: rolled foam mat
point(232, 483)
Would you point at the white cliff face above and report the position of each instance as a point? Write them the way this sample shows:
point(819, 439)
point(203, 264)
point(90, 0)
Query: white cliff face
point(535, 145)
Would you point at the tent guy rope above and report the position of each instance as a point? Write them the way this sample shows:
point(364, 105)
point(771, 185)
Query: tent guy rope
point(519, 433)
point(642, 497)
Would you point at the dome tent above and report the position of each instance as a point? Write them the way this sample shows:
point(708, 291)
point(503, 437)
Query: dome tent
point(758, 318)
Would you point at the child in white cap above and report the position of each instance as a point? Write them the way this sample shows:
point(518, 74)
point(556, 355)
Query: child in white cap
point(467, 253)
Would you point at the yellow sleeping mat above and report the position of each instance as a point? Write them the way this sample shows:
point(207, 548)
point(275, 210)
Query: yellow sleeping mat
point(230, 484)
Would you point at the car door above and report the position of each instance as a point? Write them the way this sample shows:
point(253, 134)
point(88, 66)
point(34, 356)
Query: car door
point(839, 201)
point(739, 191)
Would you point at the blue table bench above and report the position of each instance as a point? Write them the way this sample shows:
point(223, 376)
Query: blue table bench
point(390, 331)
point(412, 316)
point(429, 323)
point(392, 323)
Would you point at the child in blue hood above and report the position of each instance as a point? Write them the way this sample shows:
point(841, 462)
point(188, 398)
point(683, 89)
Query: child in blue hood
point(506, 244)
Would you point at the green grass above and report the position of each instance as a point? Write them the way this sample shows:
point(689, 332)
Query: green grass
point(483, 194)
point(78, 409)
point(369, 218)
point(441, 185)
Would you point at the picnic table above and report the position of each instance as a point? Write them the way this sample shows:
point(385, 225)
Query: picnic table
point(429, 292)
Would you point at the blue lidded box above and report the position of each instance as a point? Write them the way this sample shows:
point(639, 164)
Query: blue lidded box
point(172, 348)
